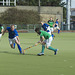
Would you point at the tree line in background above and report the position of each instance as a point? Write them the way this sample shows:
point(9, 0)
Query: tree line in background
point(15, 16)
point(42, 2)
point(36, 2)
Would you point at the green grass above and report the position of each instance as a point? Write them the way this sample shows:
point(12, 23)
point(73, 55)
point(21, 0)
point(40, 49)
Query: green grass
point(12, 63)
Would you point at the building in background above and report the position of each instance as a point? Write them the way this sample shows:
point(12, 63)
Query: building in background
point(8, 2)
point(72, 13)
point(72, 3)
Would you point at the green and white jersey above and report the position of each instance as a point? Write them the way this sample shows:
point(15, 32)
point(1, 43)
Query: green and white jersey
point(1, 28)
point(45, 34)
point(51, 22)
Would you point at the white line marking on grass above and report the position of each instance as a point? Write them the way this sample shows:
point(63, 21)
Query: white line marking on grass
point(65, 60)
point(61, 74)
point(71, 66)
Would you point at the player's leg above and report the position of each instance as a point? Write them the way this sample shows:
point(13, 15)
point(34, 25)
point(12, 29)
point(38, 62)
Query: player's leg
point(52, 33)
point(18, 45)
point(49, 31)
point(58, 29)
point(48, 45)
point(11, 43)
point(14, 45)
point(55, 28)
point(0, 36)
point(43, 48)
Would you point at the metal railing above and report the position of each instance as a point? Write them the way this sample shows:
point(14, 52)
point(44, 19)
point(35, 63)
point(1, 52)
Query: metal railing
point(8, 2)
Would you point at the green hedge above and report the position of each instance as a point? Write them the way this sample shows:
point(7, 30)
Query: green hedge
point(15, 16)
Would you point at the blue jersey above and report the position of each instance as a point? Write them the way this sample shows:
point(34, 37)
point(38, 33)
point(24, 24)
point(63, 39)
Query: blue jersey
point(12, 34)
point(56, 23)
point(45, 26)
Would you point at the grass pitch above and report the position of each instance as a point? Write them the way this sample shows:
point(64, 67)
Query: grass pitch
point(12, 63)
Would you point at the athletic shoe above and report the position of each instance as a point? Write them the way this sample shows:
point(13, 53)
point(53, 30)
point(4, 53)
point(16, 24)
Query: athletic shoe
point(20, 52)
point(56, 51)
point(53, 37)
point(40, 54)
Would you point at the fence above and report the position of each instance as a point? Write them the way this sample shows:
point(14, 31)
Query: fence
point(31, 27)
point(65, 26)
point(24, 27)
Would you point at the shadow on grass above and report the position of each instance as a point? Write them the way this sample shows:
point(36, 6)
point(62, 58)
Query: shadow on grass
point(28, 43)
point(22, 54)
point(37, 55)
point(30, 54)
point(9, 52)
point(17, 53)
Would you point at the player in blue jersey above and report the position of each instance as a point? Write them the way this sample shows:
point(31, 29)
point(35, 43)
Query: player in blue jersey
point(13, 37)
point(46, 27)
point(56, 26)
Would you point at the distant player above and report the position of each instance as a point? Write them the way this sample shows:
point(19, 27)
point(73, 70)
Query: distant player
point(1, 30)
point(51, 23)
point(45, 38)
point(13, 37)
point(56, 26)
point(46, 27)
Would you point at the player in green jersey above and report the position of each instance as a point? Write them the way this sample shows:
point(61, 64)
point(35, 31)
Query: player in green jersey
point(1, 30)
point(45, 38)
point(51, 23)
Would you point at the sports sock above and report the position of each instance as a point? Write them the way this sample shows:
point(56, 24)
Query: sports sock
point(52, 35)
point(43, 48)
point(58, 31)
point(20, 50)
point(14, 45)
point(50, 48)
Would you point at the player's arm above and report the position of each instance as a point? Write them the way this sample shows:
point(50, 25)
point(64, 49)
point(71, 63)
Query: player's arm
point(18, 39)
point(45, 29)
point(4, 31)
point(41, 39)
point(17, 36)
point(48, 21)
point(54, 25)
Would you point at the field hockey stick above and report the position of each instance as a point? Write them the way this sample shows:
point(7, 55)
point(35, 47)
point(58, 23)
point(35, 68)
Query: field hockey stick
point(30, 47)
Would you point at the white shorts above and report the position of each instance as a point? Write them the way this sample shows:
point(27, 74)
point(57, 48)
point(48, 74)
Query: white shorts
point(48, 41)
point(49, 33)
point(0, 35)
point(56, 28)
point(12, 41)
point(51, 29)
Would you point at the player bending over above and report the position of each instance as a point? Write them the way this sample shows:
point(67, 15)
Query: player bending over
point(13, 37)
point(56, 26)
point(1, 30)
point(47, 41)
point(46, 27)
